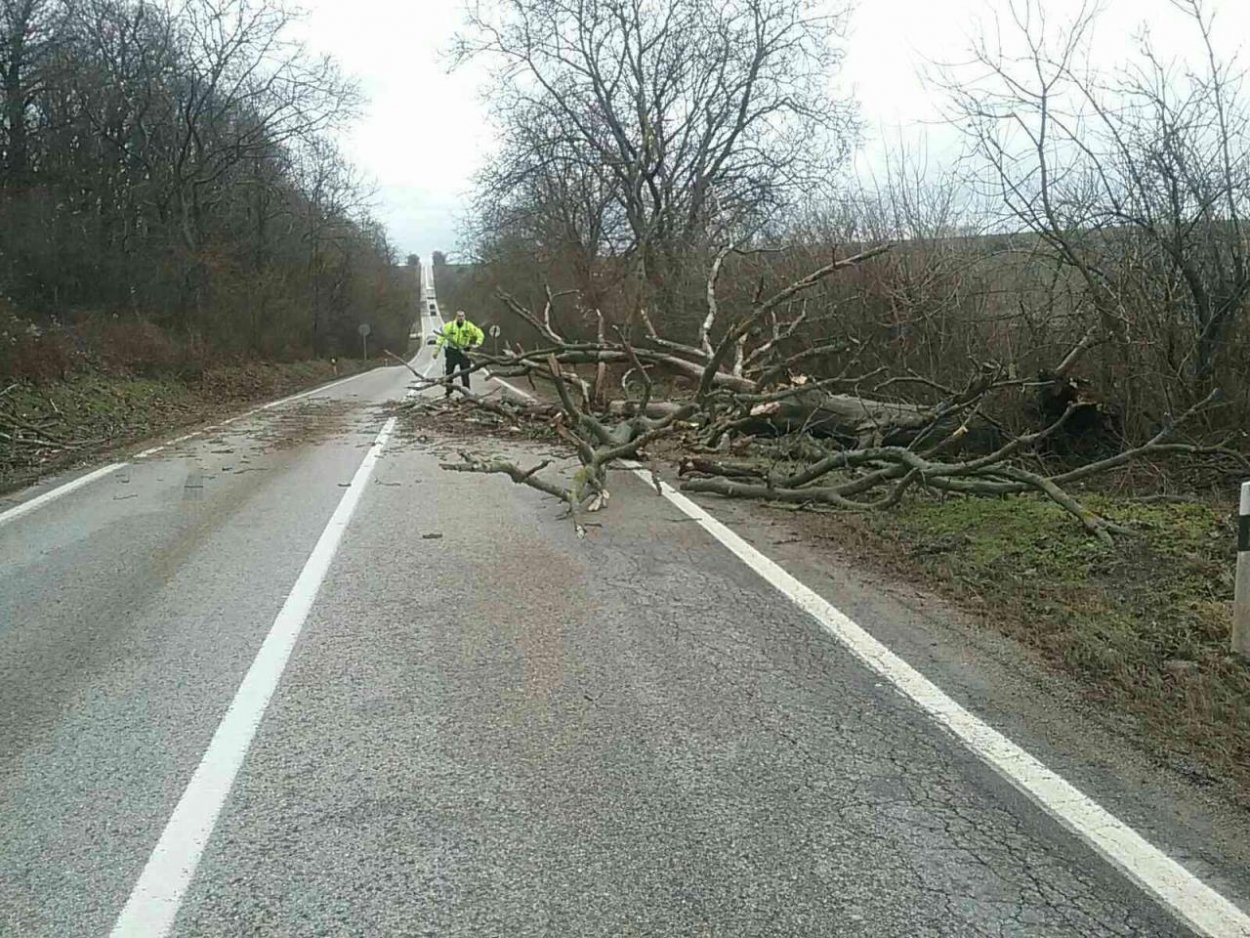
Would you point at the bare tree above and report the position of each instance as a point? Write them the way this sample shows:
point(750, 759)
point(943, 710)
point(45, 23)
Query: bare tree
point(881, 449)
point(900, 338)
point(1135, 180)
point(698, 119)
point(156, 166)
point(25, 41)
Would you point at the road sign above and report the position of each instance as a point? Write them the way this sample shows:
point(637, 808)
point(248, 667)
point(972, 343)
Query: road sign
point(494, 332)
point(363, 329)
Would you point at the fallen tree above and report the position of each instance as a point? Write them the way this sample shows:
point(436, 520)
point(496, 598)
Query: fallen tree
point(751, 388)
point(832, 444)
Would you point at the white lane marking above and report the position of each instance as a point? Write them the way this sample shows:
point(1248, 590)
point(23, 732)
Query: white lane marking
point(40, 500)
point(153, 904)
point(174, 442)
point(1184, 895)
point(302, 394)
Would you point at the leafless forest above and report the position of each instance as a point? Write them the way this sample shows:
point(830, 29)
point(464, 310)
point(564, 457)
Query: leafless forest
point(170, 194)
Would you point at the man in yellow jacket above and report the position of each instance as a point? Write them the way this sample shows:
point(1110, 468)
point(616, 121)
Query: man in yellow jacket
point(460, 337)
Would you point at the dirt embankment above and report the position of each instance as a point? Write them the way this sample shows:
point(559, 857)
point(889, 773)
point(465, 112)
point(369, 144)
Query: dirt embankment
point(53, 425)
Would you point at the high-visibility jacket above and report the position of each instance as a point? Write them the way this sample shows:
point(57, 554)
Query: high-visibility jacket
point(461, 335)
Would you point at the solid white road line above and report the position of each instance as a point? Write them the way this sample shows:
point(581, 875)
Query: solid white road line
point(152, 451)
point(1179, 891)
point(153, 905)
point(40, 500)
point(301, 395)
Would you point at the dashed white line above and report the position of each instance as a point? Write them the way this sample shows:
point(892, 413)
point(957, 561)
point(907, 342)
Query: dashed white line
point(1179, 891)
point(153, 904)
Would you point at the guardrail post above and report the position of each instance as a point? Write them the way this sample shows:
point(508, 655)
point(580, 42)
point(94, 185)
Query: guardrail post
point(1241, 601)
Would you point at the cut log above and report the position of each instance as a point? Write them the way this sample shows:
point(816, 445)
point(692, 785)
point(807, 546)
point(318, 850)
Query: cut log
point(854, 421)
point(843, 416)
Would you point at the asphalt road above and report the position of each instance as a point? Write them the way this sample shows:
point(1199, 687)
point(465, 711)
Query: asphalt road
point(487, 726)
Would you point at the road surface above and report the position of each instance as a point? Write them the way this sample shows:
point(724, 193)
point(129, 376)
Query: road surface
point(457, 718)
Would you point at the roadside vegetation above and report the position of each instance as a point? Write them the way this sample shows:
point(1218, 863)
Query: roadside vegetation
point(1144, 627)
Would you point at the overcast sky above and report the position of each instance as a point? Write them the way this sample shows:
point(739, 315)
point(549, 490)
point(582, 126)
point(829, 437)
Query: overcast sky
point(423, 133)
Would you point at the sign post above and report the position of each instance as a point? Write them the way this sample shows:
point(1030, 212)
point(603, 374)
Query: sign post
point(1241, 596)
point(363, 329)
point(494, 334)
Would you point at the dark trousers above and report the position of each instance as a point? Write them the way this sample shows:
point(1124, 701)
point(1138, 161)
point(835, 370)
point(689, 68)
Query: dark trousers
point(457, 361)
